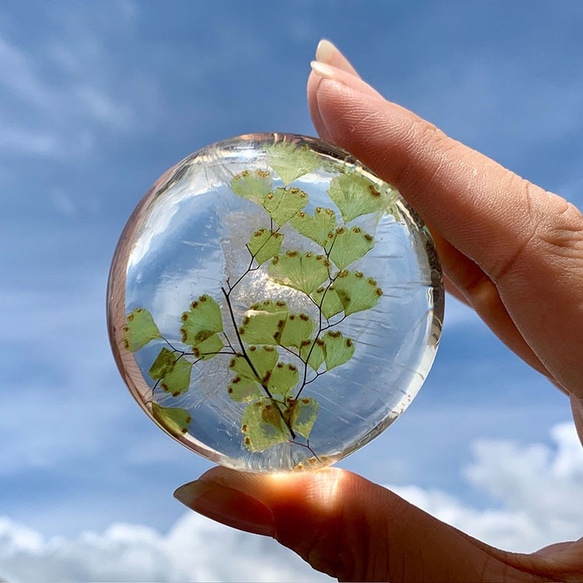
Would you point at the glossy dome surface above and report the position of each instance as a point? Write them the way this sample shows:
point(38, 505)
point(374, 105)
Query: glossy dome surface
point(272, 304)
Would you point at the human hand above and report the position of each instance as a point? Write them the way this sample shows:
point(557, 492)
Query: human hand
point(511, 251)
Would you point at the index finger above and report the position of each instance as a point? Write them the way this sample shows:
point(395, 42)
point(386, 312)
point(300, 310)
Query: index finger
point(528, 241)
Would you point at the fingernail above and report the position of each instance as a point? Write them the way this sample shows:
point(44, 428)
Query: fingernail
point(324, 70)
point(325, 50)
point(329, 54)
point(227, 506)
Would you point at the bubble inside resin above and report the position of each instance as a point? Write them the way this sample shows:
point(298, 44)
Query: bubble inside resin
point(272, 304)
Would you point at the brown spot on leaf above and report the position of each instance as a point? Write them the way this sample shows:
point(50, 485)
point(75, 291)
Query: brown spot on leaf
point(373, 191)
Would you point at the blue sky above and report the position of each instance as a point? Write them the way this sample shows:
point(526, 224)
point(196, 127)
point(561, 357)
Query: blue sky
point(97, 99)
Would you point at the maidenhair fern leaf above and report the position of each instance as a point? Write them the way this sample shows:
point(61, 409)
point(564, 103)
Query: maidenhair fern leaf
point(243, 389)
point(302, 271)
point(312, 352)
point(356, 291)
point(163, 364)
point(174, 419)
point(348, 245)
point(172, 371)
point(252, 185)
point(328, 300)
point(297, 328)
point(270, 306)
point(301, 415)
point(355, 195)
point(202, 321)
point(316, 227)
point(139, 329)
point(282, 204)
point(177, 380)
point(262, 327)
point(284, 377)
point(264, 244)
point(208, 348)
point(291, 161)
point(263, 359)
point(337, 349)
point(262, 425)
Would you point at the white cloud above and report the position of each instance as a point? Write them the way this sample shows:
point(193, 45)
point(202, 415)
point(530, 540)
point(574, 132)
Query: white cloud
point(540, 489)
point(195, 549)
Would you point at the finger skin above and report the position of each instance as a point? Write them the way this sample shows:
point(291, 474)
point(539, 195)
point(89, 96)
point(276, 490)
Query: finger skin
point(527, 242)
point(354, 530)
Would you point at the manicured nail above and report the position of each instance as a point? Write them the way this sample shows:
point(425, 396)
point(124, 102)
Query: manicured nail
point(227, 506)
point(325, 50)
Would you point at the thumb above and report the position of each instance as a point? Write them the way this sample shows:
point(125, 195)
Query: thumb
point(349, 527)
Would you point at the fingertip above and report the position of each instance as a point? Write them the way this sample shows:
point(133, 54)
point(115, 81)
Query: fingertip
point(227, 505)
point(327, 52)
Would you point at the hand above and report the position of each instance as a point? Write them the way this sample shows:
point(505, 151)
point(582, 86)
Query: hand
point(510, 250)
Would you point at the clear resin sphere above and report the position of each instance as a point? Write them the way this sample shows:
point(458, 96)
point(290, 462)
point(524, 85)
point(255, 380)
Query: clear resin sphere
point(272, 304)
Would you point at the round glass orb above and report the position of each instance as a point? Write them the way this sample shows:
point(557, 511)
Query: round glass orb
point(272, 304)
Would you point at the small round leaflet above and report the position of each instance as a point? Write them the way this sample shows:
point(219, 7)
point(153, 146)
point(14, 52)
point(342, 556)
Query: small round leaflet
point(272, 304)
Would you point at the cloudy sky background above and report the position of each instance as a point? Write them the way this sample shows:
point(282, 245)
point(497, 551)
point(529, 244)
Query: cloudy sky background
point(97, 99)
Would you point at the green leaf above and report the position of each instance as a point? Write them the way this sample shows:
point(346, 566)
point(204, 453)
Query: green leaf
point(316, 227)
point(328, 300)
point(348, 245)
point(174, 419)
point(202, 321)
point(208, 348)
point(284, 376)
point(297, 328)
point(177, 380)
point(356, 291)
point(337, 349)
point(173, 371)
point(262, 426)
point(270, 306)
point(163, 364)
point(356, 195)
point(263, 358)
point(302, 271)
point(316, 354)
point(252, 185)
point(264, 244)
point(261, 327)
point(301, 415)
point(284, 203)
point(139, 329)
point(291, 161)
point(243, 389)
